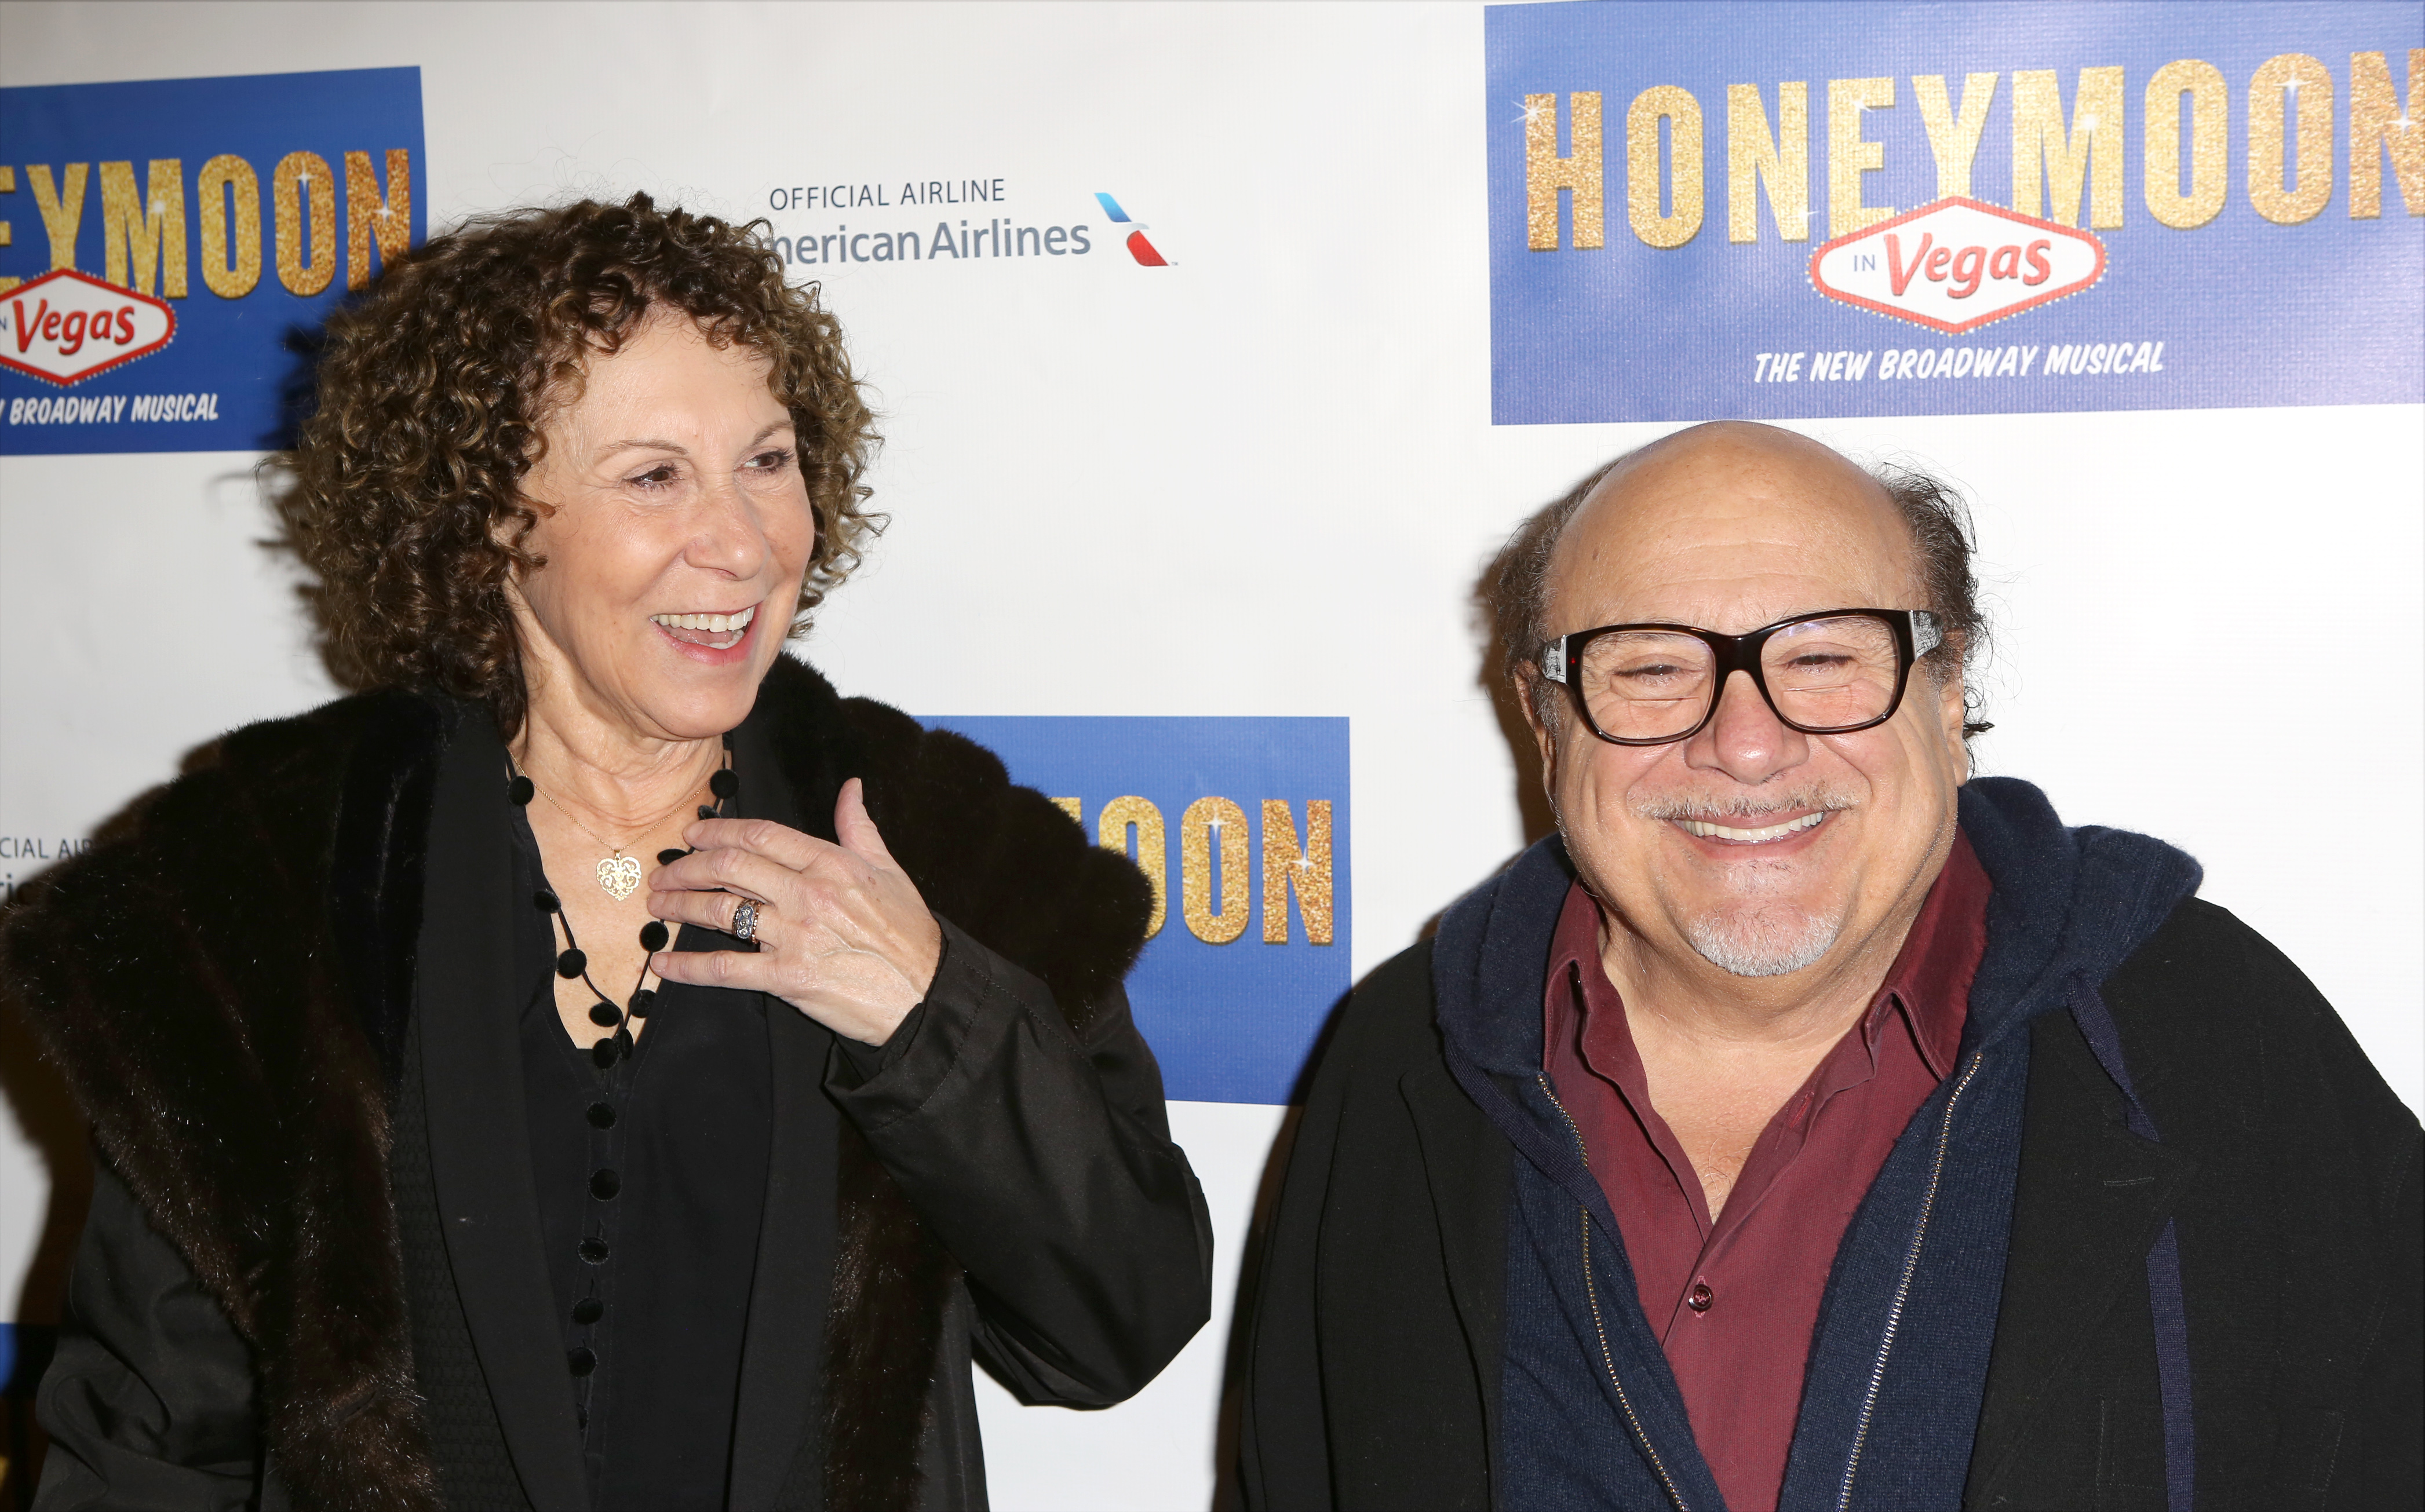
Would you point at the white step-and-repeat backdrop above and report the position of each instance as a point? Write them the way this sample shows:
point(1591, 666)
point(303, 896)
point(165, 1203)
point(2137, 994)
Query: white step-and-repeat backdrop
point(1218, 346)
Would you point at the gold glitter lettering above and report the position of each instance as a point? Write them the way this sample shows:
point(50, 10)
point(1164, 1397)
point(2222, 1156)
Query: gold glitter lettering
point(146, 231)
point(1581, 173)
point(1211, 824)
point(1152, 854)
point(2309, 91)
point(1682, 113)
point(369, 215)
point(1782, 162)
point(1849, 154)
point(7, 236)
point(1077, 813)
point(1307, 872)
point(1953, 138)
point(61, 213)
point(230, 262)
point(2049, 160)
point(2375, 116)
point(307, 173)
point(2210, 144)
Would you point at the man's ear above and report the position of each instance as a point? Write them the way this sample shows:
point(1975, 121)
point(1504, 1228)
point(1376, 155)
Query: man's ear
point(1527, 686)
point(1953, 714)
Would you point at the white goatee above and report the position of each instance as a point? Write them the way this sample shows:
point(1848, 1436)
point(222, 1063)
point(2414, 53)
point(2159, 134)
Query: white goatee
point(1766, 943)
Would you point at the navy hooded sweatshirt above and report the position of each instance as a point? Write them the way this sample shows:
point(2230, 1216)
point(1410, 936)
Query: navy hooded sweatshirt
point(1592, 1418)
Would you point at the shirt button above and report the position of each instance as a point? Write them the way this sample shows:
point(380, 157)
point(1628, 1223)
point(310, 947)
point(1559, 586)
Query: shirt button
point(588, 1311)
point(594, 1250)
point(605, 1184)
point(581, 1361)
point(1701, 1296)
point(601, 1115)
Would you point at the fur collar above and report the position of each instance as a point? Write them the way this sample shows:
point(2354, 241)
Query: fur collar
point(242, 1092)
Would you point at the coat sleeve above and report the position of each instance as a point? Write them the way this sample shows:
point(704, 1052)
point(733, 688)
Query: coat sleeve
point(149, 1402)
point(1283, 1451)
point(1044, 1162)
point(2388, 1461)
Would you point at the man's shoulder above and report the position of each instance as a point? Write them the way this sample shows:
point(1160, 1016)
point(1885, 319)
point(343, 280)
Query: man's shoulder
point(1396, 999)
point(2221, 1026)
point(2205, 972)
point(2205, 939)
point(1387, 1025)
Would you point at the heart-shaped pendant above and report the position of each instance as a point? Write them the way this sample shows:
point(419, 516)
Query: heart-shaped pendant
point(619, 875)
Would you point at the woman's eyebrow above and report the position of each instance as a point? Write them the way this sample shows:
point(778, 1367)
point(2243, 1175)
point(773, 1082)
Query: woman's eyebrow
point(652, 444)
point(643, 444)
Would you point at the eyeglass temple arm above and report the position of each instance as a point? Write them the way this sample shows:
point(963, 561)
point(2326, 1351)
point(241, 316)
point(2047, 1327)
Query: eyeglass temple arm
point(1553, 660)
point(1926, 633)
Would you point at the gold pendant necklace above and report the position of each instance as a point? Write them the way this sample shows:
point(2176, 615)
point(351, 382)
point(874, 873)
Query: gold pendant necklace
point(618, 874)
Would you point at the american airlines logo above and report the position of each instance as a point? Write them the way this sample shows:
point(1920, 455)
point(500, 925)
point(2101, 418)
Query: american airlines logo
point(1139, 245)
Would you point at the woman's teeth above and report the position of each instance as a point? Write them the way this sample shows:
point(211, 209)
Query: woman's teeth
point(707, 622)
point(718, 632)
point(1776, 832)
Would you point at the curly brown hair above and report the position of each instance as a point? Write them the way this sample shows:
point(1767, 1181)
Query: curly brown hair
point(432, 394)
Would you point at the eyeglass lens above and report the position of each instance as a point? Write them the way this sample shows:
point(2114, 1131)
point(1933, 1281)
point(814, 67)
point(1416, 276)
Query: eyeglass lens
point(1823, 675)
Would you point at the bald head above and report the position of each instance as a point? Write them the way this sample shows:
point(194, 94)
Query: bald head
point(1725, 451)
point(1727, 520)
point(1738, 471)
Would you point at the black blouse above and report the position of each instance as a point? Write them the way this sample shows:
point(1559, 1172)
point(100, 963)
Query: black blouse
point(651, 1179)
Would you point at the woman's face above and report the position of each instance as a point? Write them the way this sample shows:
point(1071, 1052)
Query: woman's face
point(675, 527)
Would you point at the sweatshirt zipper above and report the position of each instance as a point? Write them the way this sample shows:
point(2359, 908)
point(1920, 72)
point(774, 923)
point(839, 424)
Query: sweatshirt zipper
point(1903, 1286)
point(1591, 1295)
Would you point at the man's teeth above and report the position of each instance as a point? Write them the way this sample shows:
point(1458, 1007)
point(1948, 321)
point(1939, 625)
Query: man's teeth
point(713, 624)
point(1776, 832)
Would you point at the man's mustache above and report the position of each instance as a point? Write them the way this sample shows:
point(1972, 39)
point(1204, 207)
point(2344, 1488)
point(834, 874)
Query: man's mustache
point(1740, 805)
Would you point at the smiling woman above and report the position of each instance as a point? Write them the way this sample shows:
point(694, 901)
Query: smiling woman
point(407, 496)
point(595, 1064)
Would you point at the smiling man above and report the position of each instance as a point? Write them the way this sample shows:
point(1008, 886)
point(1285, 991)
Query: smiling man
point(1807, 1125)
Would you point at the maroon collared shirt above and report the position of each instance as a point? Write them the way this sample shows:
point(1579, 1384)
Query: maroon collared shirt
point(1734, 1300)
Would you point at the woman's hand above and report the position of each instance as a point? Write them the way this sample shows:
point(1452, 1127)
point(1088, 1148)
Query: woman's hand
point(841, 933)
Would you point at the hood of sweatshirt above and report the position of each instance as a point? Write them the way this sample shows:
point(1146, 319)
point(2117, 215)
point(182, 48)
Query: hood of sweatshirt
point(2068, 902)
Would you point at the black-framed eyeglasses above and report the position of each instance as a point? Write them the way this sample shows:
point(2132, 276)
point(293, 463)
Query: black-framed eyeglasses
point(1825, 674)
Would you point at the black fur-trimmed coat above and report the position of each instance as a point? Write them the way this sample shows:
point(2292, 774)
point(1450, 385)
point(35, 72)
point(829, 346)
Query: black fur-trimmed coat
point(228, 985)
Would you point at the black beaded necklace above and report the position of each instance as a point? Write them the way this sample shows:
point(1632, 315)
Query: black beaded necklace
point(573, 961)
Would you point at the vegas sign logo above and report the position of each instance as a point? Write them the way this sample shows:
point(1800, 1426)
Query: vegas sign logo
point(1958, 265)
point(66, 325)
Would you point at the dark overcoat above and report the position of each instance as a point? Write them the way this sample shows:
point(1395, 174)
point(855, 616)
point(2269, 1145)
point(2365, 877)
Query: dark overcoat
point(228, 984)
point(2025, 1350)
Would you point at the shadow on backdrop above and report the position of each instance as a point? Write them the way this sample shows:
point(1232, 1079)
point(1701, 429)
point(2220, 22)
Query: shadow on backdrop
point(1495, 606)
point(38, 1102)
point(47, 1119)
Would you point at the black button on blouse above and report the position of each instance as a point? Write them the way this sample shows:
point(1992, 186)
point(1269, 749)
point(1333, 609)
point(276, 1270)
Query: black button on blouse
point(651, 1174)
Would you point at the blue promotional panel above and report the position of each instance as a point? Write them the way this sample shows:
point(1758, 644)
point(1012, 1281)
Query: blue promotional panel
point(170, 248)
point(1703, 211)
point(1243, 826)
